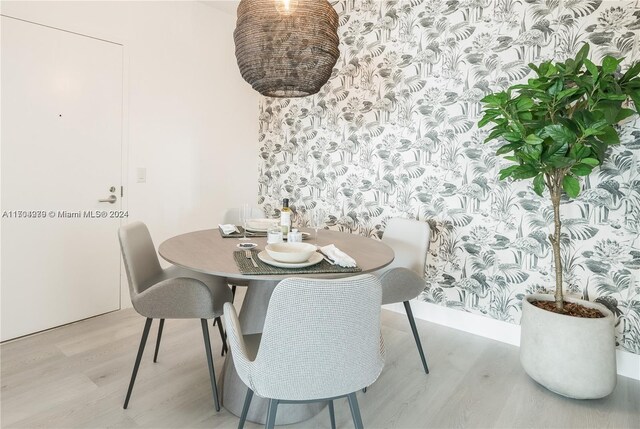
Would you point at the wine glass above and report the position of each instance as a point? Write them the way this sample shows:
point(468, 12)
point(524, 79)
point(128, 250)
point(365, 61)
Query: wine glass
point(317, 220)
point(244, 213)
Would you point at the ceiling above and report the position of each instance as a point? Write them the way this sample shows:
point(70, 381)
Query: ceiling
point(226, 6)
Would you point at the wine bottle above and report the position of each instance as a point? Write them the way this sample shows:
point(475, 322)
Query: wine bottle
point(285, 217)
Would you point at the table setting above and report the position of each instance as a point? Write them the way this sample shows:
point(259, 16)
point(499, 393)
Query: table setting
point(294, 258)
point(285, 252)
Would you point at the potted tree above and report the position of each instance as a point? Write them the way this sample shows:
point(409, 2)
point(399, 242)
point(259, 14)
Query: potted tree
point(556, 128)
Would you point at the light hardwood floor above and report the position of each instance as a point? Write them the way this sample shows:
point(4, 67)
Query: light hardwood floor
point(76, 377)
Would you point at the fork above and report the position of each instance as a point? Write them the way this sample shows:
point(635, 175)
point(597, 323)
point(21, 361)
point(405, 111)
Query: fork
point(247, 253)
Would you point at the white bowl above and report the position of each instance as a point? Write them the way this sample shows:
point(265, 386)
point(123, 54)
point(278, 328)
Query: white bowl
point(290, 252)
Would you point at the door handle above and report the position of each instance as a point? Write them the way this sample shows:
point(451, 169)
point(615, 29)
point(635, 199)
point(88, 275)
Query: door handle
point(111, 200)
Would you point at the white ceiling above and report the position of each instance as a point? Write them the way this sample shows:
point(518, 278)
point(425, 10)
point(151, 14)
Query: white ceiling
point(226, 6)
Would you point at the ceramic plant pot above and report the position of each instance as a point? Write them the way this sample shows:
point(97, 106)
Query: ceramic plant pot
point(571, 356)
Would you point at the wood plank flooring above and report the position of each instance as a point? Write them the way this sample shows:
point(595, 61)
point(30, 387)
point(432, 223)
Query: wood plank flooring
point(76, 377)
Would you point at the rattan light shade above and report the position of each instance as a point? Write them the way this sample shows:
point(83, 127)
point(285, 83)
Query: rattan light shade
point(286, 55)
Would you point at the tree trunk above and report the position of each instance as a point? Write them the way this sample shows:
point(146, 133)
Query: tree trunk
point(555, 243)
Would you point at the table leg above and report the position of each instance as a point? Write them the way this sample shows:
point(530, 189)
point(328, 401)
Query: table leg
point(252, 316)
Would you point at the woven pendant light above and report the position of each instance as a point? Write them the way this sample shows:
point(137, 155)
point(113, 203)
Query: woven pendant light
point(286, 48)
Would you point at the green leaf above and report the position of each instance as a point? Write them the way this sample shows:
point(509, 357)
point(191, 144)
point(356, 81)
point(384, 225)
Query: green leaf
point(556, 87)
point(507, 148)
point(525, 171)
point(525, 116)
point(593, 69)
point(496, 132)
point(555, 150)
point(609, 64)
point(635, 96)
point(582, 53)
point(579, 151)
point(530, 152)
point(631, 73)
point(524, 104)
point(495, 99)
point(590, 161)
point(571, 186)
point(560, 162)
point(512, 136)
point(609, 136)
point(599, 149)
point(581, 169)
point(550, 70)
point(533, 139)
point(559, 133)
point(485, 120)
point(624, 114)
point(538, 184)
point(568, 92)
point(506, 172)
point(599, 125)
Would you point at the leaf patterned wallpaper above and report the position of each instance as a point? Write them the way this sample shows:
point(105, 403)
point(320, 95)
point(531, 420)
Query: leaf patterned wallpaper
point(393, 134)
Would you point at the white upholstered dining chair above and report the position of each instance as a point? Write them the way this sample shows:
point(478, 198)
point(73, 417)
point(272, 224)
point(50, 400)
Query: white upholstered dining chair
point(403, 279)
point(321, 341)
point(232, 215)
point(171, 293)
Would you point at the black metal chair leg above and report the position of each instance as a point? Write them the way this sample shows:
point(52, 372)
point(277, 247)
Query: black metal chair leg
point(155, 355)
point(412, 322)
point(332, 415)
point(245, 408)
point(223, 336)
point(143, 341)
point(233, 293)
point(212, 374)
point(355, 411)
point(271, 414)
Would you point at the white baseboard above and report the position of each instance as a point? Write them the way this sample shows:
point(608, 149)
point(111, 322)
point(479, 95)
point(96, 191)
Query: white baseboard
point(628, 363)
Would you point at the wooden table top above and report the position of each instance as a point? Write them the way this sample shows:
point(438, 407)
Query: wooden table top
point(207, 252)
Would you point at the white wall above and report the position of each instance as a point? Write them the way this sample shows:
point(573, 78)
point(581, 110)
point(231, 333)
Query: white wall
point(189, 116)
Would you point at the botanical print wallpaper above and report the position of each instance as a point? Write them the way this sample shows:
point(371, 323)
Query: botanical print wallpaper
point(393, 134)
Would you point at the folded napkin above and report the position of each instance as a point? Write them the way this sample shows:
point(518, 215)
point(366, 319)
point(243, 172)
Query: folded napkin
point(228, 228)
point(338, 256)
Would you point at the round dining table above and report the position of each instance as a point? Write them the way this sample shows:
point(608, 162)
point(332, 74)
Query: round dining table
point(208, 252)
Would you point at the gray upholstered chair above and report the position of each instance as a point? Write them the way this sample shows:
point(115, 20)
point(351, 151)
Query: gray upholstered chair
point(172, 293)
point(403, 279)
point(321, 341)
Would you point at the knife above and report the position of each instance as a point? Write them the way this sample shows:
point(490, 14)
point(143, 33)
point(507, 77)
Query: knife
point(247, 253)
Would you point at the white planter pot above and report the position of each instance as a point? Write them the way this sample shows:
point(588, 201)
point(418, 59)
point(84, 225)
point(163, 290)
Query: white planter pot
point(572, 356)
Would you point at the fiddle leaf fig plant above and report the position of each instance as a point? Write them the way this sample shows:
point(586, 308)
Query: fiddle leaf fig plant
point(558, 126)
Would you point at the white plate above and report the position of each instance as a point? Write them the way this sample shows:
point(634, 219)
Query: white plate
point(260, 225)
point(314, 259)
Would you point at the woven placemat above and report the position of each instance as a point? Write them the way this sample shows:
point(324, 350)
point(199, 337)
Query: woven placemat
point(246, 267)
point(239, 234)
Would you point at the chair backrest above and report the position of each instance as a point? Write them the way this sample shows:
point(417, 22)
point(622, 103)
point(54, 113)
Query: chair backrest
point(232, 215)
point(139, 255)
point(321, 339)
point(409, 240)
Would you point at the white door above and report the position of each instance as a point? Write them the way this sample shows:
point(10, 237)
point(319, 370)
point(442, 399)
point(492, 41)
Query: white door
point(61, 152)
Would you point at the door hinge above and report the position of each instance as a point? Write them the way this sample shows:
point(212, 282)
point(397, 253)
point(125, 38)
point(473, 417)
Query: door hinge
point(121, 191)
